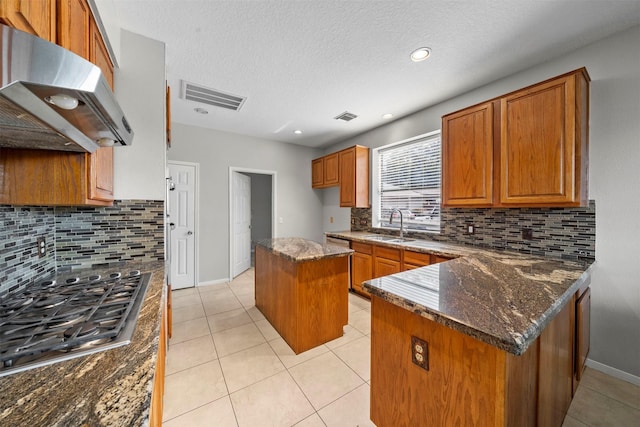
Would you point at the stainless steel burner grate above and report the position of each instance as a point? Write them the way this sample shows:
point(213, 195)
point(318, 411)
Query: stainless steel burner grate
point(49, 322)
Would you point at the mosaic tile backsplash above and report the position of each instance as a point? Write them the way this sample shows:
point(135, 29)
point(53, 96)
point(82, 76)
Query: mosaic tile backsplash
point(128, 230)
point(568, 233)
point(19, 234)
point(77, 237)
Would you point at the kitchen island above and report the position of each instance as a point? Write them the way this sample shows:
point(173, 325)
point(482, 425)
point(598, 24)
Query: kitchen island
point(489, 338)
point(108, 388)
point(302, 288)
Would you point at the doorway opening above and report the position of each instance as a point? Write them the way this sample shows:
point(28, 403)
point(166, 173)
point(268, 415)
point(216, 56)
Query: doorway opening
point(252, 203)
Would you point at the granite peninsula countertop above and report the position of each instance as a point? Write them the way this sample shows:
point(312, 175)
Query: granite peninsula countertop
point(297, 249)
point(504, 298)
point(109, 388)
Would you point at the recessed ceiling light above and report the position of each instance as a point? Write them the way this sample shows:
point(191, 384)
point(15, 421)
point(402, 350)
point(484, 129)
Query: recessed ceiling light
point(420, 54)
point(297, 132)
point(387, 116)
point(200, 110)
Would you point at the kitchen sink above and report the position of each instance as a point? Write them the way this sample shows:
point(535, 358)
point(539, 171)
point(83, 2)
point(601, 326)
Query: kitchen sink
point(389, 239)
point(380, 238)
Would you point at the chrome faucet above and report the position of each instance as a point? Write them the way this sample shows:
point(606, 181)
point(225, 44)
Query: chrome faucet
point(401, 221)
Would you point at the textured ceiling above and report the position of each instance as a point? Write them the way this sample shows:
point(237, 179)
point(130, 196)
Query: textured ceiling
point(301, 63)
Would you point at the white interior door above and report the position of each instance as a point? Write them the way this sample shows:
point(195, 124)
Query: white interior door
point(241, 190)
point(182, 225)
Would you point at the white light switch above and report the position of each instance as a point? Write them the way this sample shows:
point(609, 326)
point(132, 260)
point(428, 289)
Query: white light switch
point(280, 220)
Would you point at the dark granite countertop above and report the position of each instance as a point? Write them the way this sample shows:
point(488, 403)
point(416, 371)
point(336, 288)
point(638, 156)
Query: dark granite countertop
point(297, 249)
point(109, 388)
point(504, 299)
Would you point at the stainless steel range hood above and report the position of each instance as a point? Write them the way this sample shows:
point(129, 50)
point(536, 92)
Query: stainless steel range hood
point(53, 99)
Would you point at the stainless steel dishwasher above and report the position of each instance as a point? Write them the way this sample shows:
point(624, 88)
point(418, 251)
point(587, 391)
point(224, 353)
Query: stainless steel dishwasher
point(335, 241)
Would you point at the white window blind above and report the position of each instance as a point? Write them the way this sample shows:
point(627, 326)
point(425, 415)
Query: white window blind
point(408, 178)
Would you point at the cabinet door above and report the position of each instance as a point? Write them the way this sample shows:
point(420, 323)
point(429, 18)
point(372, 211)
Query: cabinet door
point(348, 178)
point(101, 174)
point(331, 170)
point(385, 267)
point(583, 328)
point(98, 53)
point(361, 271)
point(73, 26)
point(157, 393)
point(555, 375)
point(317, 173)
point(354, 177)
point(467, 157)
point(32, 16)
point(101, 164)
point(538, 146)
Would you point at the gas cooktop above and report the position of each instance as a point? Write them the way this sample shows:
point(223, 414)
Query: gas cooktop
point(49, 322)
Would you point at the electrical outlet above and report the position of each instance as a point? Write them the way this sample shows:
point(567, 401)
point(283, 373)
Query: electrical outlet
point(41, 246)
point(527, 234)
point(471, 229)
point(420, 353)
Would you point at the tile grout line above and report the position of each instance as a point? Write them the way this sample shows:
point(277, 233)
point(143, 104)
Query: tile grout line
point(269, 342)
point(613, 398)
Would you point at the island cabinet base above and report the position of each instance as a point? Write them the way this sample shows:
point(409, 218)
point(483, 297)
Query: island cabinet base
point(306, 302)
point(468, 382)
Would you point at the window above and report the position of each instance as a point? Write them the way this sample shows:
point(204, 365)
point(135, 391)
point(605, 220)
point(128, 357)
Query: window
point(407, 176)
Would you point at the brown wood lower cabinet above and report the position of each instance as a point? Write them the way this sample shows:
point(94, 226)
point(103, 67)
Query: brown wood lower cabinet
point(157, 394)
point(361, 267)
point(370, 261)
point(411, 260)
point(468, 382)
point(583, 328)
point(305, 301)
point(386, 261)
point(437, 258)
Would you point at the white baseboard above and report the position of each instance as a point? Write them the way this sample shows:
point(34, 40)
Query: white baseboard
point(213, 282)
point(617, 373)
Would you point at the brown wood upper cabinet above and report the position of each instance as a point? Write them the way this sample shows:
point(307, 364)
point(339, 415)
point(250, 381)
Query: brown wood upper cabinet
point(467, 145)
point(325, 171)
point(35, 17)
point(35, 177)
point(354, 177)
point(349, 169)
point(526, 148)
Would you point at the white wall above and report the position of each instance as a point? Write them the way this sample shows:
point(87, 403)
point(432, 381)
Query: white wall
point(297, 204)
point(614, 66)
point(140, 89)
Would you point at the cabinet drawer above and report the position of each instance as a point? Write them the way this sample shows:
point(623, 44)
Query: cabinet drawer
point(417, 258)
point(437, 258)
point(388, 253)
point(362, 248)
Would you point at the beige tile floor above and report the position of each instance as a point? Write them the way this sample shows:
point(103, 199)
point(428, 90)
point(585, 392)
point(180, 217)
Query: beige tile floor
point(227, 366)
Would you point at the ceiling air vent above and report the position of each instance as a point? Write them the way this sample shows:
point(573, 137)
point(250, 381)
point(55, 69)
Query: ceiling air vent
point(346, 116)
point(217, 98)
